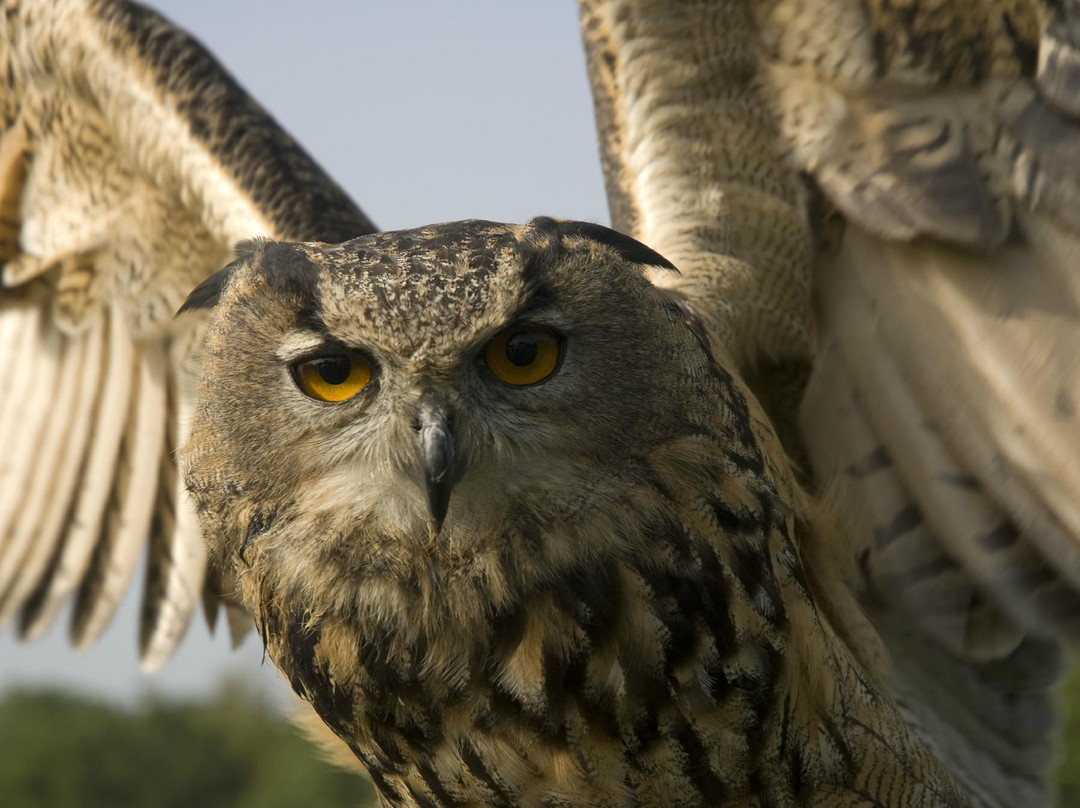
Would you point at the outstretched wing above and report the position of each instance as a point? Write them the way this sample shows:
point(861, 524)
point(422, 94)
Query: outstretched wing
point(130, 164)
point(937, 216)
point(951, 308)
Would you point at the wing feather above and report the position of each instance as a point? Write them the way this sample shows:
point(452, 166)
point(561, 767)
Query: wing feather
point(989, 350)
point(127, 520)
point(927, 396)
point(903, 118)
point(947, 373)
point(110, 417)
point(176, 564)
point(13, 313)
point(23, 320)
point(211, 602)
point(962, 367)
point(903, 560)
point(689, 158)
point(130, 164)
point(1059, 56)
point(239, 623)
point(25, 422)
point(45, 506)
point(991, 723)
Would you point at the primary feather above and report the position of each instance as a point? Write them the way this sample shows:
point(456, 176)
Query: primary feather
point(130, 164)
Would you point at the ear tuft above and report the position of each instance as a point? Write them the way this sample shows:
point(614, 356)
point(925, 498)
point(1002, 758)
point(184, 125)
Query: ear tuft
point(630, 249)
point(207, 293)
point(250, 246)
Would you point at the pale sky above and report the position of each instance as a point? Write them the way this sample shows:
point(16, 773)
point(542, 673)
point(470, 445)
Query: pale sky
point(423, 111)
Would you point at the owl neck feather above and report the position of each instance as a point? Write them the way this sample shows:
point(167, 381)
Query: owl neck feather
point(679, 667)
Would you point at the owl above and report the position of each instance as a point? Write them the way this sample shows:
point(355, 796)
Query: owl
point(518, 538)
point(526, 514)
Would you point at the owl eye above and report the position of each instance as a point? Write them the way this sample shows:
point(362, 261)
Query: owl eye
point(332, 378)
point(523, 356)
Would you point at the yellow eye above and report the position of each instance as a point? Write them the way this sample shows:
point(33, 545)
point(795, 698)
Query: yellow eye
point(333, 378)
point(523, 355)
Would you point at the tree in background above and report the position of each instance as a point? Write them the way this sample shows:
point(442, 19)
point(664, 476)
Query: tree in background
point(59, 750)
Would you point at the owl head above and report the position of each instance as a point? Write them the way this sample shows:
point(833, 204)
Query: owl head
point(411, 399)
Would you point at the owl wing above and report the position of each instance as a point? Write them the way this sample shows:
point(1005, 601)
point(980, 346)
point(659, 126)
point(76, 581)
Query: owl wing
point(937, 217)
point(949, 372)
point(130, 164)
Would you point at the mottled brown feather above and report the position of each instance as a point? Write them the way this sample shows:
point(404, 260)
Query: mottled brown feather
point(130, 163)
point(920, 121)
point(616, 609)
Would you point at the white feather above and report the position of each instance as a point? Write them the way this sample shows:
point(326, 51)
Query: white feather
point(21, 320)
point(903, 558)
point(991, 352)
point(47, 502)
point(96, 480)
point(13, 314)
point(239, 622)
point(960, 515)
point(26, 415)
point(177, 556)
point(128, 520)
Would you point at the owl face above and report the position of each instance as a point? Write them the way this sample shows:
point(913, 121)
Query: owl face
point(407, 396)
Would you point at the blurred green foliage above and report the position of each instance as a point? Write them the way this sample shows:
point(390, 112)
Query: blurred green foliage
point(1068, 773)
point(59, 750)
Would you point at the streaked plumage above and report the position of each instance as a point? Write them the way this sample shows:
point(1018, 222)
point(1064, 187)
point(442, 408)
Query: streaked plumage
point(124, 181)
point(910, 163)
point(913, 163)
point(613, 612)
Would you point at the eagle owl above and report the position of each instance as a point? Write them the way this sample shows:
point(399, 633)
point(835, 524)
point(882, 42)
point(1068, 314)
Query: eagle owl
point(525, 513)
point(516, 536)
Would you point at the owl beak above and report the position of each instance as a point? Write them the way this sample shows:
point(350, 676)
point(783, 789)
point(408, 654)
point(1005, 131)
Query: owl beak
point(441, 471)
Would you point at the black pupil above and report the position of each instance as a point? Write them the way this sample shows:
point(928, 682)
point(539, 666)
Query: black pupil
point(334, 369)
point(521, 349)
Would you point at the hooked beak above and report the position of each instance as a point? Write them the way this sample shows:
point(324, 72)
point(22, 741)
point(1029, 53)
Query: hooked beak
point(440, 462)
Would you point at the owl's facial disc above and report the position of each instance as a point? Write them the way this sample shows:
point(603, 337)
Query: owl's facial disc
point(430, 384)
point(518, 356)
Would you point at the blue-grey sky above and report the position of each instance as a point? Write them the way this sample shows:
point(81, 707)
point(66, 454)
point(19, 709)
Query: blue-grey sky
point(424, 111)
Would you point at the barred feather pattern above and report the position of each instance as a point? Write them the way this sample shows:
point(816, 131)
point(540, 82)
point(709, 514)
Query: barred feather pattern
point(616, 612)
point(130, 164)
